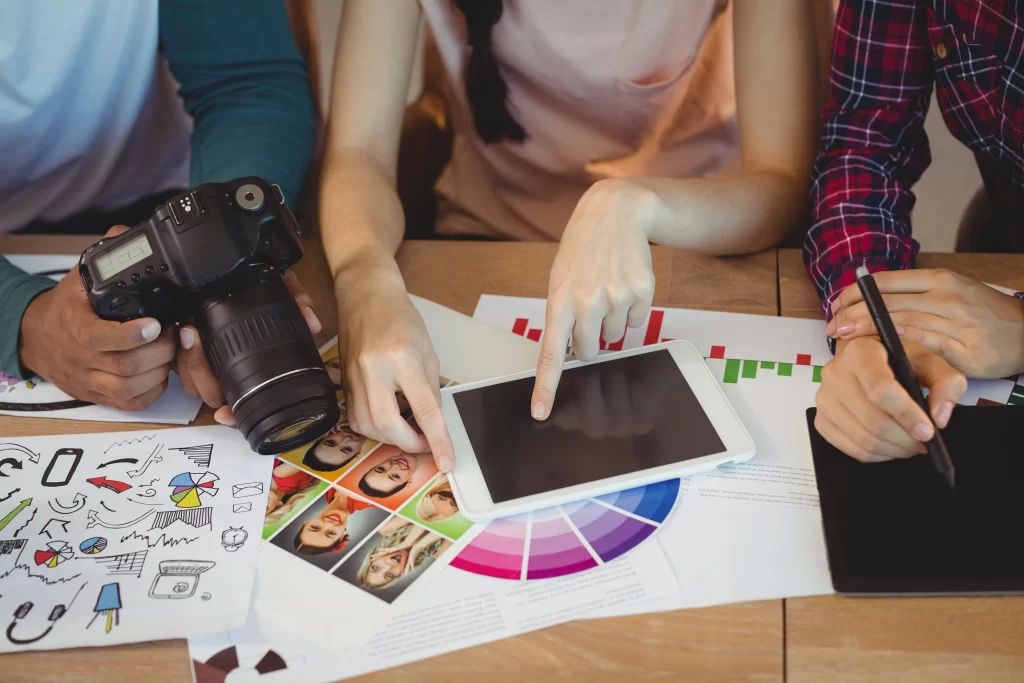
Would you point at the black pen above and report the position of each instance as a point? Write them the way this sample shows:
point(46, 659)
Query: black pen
point(901, 368)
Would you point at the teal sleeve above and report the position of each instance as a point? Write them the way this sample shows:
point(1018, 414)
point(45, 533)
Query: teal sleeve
point(246, 87)
point(17, 289)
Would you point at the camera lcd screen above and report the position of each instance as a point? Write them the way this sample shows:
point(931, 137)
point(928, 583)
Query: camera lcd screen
point(122, 256)
point(610, 418)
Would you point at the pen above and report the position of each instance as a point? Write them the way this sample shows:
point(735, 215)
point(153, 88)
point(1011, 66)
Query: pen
point(901, 368)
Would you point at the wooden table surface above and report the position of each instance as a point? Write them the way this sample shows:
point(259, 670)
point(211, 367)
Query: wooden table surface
point(911, 639)
point(730, 643)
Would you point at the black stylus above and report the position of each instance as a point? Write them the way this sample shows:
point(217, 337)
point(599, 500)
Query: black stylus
point(901, 368)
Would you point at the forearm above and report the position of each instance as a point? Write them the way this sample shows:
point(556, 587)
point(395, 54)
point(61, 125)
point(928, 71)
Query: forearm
point(736, 214)
point(17, 290)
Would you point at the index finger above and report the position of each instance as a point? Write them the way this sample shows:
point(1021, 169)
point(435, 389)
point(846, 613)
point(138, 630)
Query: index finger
point(557, 329)
point(915, 281)
point(427, 411)
point(97, 334)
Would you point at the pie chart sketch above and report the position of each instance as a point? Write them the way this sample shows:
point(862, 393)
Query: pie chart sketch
point(190, 487)
point(93, 546)
point(56, 552)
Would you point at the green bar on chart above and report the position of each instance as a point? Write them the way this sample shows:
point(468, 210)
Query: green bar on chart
point(750, 369)
point(816, 377)
point(767, 365)
point(732, 371)
point(785, 369)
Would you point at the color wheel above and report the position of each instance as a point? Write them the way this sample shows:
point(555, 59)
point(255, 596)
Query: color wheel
point(93, 546)
point(567, 539)
point(56, 552)
point(189, 487)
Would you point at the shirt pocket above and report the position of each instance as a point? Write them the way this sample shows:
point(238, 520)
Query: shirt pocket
point(969, 82)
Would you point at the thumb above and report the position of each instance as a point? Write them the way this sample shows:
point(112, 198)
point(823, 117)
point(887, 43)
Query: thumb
point(116, 230)
point(945, 383)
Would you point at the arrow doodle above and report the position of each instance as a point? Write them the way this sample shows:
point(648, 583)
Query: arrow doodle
point(107, 507)
point(63, 524)
point(32, 457)
point(112, 484)
point(14, 513)
point(75, 506)
point(14, 464)
point(94, 519)
point(114, 462)
point(153, 457)
point(9, 495)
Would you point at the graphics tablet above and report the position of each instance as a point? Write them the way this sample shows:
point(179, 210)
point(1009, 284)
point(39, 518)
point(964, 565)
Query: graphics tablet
point(623, 420)
point(896, 528)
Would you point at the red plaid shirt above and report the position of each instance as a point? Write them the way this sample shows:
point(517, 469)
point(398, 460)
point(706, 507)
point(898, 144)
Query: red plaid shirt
point(887, 55)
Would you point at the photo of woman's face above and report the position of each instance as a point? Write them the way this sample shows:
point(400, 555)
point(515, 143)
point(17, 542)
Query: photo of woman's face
point(326, 529)
point(386, 568)
point(340, 445)
point(392, 473)
point(444, 502)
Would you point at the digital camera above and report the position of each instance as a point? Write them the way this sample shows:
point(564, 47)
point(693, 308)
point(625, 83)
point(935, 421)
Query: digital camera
point(216, 254)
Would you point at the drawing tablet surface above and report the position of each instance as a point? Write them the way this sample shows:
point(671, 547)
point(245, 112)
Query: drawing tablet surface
point(896, 528)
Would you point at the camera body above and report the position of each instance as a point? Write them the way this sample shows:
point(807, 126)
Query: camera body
point(216, 255)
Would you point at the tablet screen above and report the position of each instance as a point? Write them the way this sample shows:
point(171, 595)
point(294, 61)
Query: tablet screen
point(609, 419)
point(897, 527)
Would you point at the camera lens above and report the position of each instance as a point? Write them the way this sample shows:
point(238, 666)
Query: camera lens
point(263, 354)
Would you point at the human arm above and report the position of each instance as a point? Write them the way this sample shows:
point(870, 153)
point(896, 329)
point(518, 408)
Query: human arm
point(382, 342)
point(602, 280)
point(17, 290)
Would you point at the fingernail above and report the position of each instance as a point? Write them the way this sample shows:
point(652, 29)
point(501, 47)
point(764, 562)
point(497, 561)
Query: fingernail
point(151, 330)
point(538, 411)
point(313, 321)
point(830, 328)
point(846, 328)
point(188, 338)
point(444, 463)
point(900, 329)
point(226, 420)
point(943, 412)
point(923, 431)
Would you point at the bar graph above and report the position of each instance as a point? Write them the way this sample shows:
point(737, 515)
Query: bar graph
point(735, 368)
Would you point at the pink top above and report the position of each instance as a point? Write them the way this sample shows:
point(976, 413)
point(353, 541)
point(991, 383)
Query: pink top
point(603, 88)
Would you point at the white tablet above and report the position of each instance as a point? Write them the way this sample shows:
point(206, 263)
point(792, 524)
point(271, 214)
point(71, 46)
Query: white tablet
point(623, 420)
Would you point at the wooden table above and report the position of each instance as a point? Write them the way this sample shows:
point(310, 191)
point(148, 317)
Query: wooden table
point(914, 639)
point(731, 643)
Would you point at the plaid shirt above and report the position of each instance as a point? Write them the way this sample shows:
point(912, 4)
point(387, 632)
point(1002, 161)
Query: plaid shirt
point(887, 54)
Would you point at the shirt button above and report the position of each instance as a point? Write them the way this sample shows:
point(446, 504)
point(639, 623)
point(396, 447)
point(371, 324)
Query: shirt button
point(940, 51)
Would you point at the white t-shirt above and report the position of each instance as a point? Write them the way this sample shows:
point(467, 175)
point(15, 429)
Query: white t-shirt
point(89, 116)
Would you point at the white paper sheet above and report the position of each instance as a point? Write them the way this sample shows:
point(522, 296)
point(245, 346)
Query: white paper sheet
point(134, 534)
point(36, 398)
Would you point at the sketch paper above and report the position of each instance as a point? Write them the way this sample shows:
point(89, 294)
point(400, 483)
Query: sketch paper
point(37, 398)
point(120, 538)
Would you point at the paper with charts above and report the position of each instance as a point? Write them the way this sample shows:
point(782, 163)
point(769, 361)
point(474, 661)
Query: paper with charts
point(37, 398)
point(118, 538)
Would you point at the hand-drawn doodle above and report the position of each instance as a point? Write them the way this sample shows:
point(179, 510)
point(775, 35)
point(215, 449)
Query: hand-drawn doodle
point(32, 456)
point(93, 546)
point(200, 455)
point(189, 487)
point(108, 603)
point(42, 579)
point(7, 497)
point(178, 578)
point(128, 442)
point(232, 539)
point(27, 522)
point(112, 484)
point(252, 488)
point(63, 526)
point(68, 459)
point(119, 460)
point(142, 486)
point(94, 520)
point(14, 513)
point(77, 504)
point(56, 613)
point(241, 507)
point(57, 552)
point(154, 457)
point(107, 507)
point(195, 517)
point(142, 502)
point(160, 540)
point(148, 493)
point(125, 563)
point(13, 463)
point(10, 552)
point(205, 596)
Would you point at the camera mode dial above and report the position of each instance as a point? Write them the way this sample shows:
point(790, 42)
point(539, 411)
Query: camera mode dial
point(249, 198)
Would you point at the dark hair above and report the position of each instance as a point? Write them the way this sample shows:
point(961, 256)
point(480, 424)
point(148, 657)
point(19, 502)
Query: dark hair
point(314, 463)
point(303, 549)
point(485, 88)
point(375, 492)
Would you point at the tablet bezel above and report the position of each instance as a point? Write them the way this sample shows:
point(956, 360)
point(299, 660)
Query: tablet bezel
point(471, 490)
